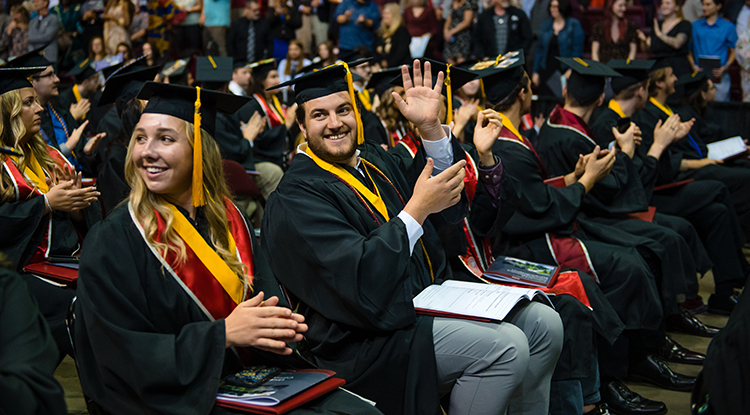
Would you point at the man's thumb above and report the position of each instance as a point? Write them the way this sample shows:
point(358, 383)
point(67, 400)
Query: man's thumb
point(427, 170)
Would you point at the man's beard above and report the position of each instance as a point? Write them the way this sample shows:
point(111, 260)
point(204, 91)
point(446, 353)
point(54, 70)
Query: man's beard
point(340, 156)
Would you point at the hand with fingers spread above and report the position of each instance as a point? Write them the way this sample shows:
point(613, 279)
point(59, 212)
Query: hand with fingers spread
point(598, 164)
point(263, 325)
point(489, 125)
point(664, 133)
point(254, 127)
point(93, 143)
point(75, 136)
point(80, 109)
point(683, 129)
point(626, 140)
point(421, 102)
point(434, 194)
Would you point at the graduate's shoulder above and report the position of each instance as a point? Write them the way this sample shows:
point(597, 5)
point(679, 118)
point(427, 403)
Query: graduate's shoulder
point(116, 225)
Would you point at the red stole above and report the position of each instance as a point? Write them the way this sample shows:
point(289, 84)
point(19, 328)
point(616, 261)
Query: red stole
point(26, 191)
point(478, 256)
point(195, 276)
point(560, 117)
point(275, 118)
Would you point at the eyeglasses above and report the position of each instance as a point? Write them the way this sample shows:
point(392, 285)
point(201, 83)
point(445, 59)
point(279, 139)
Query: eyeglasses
point(49, 75)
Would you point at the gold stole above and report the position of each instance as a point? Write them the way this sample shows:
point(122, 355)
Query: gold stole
point(276, 105)
point(34, 172)
point(664, 108)
point(364, 97)
point(231, 283)
point(614, 106)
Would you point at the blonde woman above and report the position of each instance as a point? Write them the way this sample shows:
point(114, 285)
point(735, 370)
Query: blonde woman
point(41, 198)
point(392, 44)
point(171, 288)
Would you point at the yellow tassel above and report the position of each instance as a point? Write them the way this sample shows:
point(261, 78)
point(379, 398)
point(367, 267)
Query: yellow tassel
point(449, 116)
point(350, 83)
point(198, 198)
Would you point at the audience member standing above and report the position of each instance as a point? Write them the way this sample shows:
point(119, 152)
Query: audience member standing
point(692, 10)
point(139, 28)
point(392, 44)
point(615, 37)
point(43, 30)
point(457, 32)
point(501, 28)
point(422, 22)
point(16, 34)
point(215, 21)
point(314, 21)
point(188, 32)
point(714, 37)
point(117, 18)
point(743, 49)
point(671, 38)
point(69, 15)
point(561, 36)
point(358, 20)
point(283, 21)
point(249, 38)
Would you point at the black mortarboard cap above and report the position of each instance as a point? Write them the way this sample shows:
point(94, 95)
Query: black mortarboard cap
point(320, 83)
point(664, 62)
point(692, 82)
point(587, 81)
point(29, 59)
point(500, 76)
point(239, 63)
point(82, 71)
point(175, 69)
point(17, 78)
point(214, 68)
point(633, 71)
point(263, 67)
point(179, 101)
point(382, 77)
point(315, 65)
point(126, 84)
point(109, 70)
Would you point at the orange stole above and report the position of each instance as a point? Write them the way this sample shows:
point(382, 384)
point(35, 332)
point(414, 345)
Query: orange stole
point(197, 277)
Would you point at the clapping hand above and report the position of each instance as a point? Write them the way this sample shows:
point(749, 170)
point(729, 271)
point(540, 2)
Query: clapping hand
point(67, 194)
point(80, 109)
point(254, 127)
point(489, 125)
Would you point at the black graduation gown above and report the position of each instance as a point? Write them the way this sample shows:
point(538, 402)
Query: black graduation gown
point(626, 281)
point(673, 259)
point(232, 144)
point(143, 345)
point(734, 174)
point(28, 355)
point(111, 180)
point(355, 279)
point(706, 204)
point(270, 144)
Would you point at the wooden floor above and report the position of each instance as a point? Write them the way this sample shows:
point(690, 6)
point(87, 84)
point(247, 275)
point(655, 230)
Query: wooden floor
point(677, 402)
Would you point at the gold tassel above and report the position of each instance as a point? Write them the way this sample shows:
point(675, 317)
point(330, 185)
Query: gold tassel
point(360, 131)
point(449, 116)
point(198, 198)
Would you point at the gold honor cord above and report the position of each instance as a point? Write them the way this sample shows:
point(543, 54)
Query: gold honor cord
point(614, 106)
point(343, 174)
point(197, 198)
point(664, 108)
point(34, 172)
point(447, 82)
point(231, 283)
point(277, 107)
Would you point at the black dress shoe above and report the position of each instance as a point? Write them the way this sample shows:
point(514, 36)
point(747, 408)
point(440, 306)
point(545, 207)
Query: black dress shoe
point(655, 370)
point(673, 352)
point(722, 304)
point(685, 322)
point(601, 409)
point(623, 401)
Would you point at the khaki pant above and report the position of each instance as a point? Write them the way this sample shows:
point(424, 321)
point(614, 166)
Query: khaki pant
point(311, 25)
point(217, 34)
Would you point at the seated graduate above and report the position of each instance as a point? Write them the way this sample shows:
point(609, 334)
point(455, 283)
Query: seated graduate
point(546, 227)
point(706, 203)
point(163, 312)
point(122, 87)
point(61, 127)
point(28, 352)
point(669, 244)
point(41, 199)
point(85, 88)
point(348, 231)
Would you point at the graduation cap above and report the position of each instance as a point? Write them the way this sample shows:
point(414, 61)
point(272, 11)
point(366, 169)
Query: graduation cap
point(194, 105)
point(662, 63)
point(587, 81)
point(327, 81)
point(500, 77)
point(214, 68)
point(29, 59)
point(175, 68)
point(123, 67)
point(261, 68)
point(109, 61)
point(316, 64)
point(82, 71)
point(692, 82)
point(382, 77)
point(17, 78)
point(455, 78)
point(239, 63)
point(633, 71)
point(125, 85)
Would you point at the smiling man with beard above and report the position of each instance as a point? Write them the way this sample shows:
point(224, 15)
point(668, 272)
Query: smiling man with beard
point(345, 232)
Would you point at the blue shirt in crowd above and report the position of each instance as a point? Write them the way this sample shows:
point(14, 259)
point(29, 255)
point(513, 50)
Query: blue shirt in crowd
point(217, 12)
point(352, 34)
point(712, 41)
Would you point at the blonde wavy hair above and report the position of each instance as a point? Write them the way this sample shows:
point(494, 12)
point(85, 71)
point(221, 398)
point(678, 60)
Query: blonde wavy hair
point(396, 20)
point(145, 204)
point(12, 131)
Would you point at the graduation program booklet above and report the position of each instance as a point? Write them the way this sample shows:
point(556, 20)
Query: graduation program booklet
point(518, 271)
point(474, 301)
point(280, 393)
point(727, 148)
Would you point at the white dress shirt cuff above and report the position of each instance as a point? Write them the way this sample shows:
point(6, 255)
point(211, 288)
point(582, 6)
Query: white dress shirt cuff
point(441, 151)
point(413, 229)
